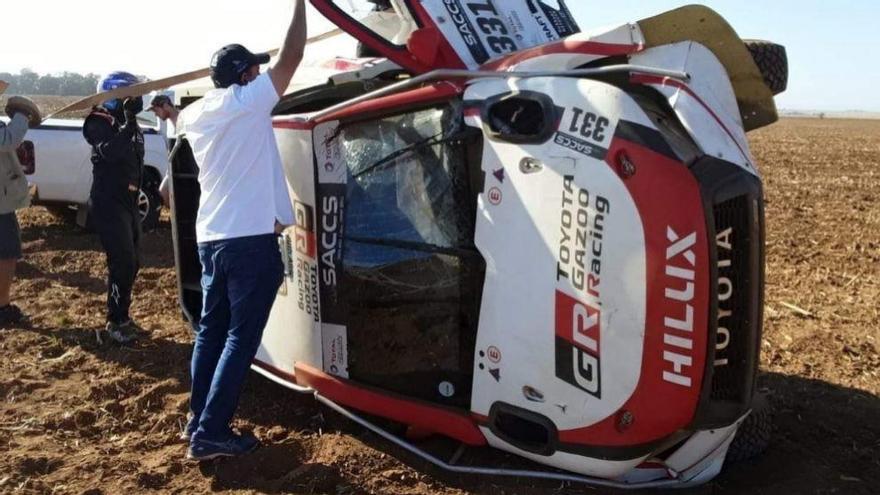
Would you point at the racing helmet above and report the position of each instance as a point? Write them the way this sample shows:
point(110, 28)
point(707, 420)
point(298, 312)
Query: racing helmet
point(113, 80)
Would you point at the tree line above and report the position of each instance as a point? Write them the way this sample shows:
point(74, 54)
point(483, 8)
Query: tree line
point(28, 82)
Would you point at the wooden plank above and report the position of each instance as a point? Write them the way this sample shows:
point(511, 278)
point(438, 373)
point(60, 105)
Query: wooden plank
point(150, 86)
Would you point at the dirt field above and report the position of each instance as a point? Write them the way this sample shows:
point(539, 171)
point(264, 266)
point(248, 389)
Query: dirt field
point(79, 418)
point(49, 104)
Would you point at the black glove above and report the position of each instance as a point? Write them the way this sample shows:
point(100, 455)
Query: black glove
point(130, 108)
point(132, 105)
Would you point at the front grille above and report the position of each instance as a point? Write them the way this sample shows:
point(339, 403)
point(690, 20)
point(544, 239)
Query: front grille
point(735, 217)
point(732, 366)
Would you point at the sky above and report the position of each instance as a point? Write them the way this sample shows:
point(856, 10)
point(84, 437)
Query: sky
point(830, 44)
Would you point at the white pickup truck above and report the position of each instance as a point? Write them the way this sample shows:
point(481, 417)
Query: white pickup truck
point(60, 170)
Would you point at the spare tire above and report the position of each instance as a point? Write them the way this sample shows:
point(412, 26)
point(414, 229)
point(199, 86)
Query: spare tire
point(772, 60)
point(753, 435)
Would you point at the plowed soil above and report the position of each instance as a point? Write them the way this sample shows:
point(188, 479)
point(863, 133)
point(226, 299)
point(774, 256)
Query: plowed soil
point(80, 418)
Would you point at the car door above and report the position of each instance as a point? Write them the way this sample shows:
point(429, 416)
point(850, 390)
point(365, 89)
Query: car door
point(62, 171)
point(456, 34)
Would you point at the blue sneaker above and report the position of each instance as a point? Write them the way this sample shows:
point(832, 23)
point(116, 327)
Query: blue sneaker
point(192, 425)
point(205, 450)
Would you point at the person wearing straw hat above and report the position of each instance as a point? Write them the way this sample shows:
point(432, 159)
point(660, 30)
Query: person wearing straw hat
point(13, 196)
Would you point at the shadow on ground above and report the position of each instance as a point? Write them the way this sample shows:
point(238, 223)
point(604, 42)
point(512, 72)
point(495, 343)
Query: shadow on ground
point(156, 247)
point(155, 357)
point(825, 437)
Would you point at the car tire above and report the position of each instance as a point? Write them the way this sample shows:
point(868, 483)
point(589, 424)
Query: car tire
point(772, 60)
point(149, 202)
point(753, 436)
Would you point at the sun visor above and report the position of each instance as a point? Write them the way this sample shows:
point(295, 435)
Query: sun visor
point(705, 26)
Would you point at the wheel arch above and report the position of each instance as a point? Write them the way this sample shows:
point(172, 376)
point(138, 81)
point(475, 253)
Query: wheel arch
point(151, 172)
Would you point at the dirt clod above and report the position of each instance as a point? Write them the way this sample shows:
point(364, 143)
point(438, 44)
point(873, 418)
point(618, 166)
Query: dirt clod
point(30, 466)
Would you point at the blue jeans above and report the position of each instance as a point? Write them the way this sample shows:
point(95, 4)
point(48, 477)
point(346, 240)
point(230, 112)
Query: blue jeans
point(240, 278)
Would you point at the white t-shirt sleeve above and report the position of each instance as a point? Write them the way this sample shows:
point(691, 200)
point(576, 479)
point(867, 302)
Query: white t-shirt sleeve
point(259, 96)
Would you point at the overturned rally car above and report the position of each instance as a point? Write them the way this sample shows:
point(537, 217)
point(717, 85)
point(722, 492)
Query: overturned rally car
point(514, 234)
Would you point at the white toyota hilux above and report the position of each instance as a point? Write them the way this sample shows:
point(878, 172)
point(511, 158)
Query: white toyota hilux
point(527, 237)
point(56, 159)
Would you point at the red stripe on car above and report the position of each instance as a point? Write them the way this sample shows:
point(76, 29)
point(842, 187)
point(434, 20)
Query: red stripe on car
point(667, 394)
point(445, 421)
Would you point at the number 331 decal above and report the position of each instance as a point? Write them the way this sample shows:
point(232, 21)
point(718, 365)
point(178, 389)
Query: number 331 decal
point(480, 30)
point(491, 25)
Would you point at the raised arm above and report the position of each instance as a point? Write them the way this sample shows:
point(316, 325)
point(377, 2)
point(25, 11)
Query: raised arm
point(292, 51)
point(12, 134)
point(110, 144)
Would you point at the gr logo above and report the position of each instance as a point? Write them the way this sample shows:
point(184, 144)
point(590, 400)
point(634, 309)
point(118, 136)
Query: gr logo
point(305, 229)
point(578, 332)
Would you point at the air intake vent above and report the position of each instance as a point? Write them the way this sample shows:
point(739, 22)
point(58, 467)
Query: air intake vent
point(521, 117)
point(524, 429)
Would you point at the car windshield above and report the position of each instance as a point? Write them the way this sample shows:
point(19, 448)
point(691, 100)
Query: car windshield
point(408, 182)
point(409, 263)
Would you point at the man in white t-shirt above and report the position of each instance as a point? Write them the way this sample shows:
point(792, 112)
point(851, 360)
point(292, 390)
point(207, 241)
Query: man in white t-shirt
point(244, 205)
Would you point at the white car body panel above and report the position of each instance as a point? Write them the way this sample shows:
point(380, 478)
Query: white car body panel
point(593, 45)
point(507, 27)
point(293, 332)
point(63, 172)
point(700, 447)
point(705, 105)
point(518, 296)
point(570, 462)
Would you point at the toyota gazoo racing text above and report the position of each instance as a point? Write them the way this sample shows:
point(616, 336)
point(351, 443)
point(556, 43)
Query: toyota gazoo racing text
point(517, 235)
